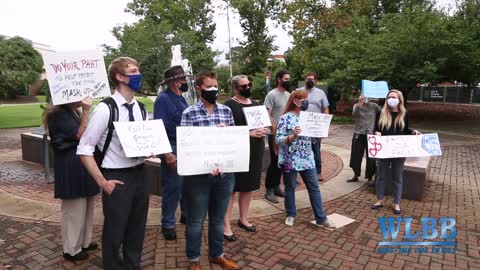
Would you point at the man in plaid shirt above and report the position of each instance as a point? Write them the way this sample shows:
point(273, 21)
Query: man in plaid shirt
point(207, 192)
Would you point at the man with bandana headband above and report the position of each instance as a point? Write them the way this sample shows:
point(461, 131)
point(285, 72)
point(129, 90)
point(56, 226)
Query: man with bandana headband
point(318, 103)
point(125, 193)
point(207, 193)
point(169, 107)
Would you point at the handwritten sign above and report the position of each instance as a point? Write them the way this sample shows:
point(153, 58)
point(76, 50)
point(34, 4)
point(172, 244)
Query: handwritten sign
point(200, 150)
point(257, 117)
point(404, 146)
point(74, 75)
point(142, 138)
point(374, 89)
point(314, 124)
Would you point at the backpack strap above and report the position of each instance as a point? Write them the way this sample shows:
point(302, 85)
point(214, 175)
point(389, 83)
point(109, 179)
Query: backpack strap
point(113, 118)
point(143, 109)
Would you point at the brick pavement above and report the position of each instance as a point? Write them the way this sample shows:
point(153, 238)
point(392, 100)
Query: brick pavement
point(453, 190)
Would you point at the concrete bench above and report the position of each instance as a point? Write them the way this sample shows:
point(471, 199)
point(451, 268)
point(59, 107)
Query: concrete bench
point(415, 176)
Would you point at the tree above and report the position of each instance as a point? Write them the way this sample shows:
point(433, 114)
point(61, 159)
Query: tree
point(20, 65)
point(258, 44)
point(163, 24)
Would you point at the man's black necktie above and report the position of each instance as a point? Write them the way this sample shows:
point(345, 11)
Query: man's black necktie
point(130, 111)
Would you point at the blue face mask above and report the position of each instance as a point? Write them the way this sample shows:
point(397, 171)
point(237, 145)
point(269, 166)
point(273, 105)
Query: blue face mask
point(304, 106)
point(135, 82)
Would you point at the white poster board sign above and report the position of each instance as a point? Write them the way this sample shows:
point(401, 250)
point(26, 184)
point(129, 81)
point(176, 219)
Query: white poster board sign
point(200, 150)
point(404, 146)
point(314, 124)
point(257, 117)
point(142, 138)
point(74, 75)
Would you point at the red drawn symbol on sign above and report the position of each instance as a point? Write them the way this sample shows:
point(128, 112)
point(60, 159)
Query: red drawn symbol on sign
point(376, 146)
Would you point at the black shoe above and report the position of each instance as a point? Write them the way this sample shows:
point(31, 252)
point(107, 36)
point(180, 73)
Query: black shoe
point(278, 192)
point(169, 234)
point(397, 212)
point(246, 228)
point(371, 183)
point(377, 206)
point(81, 256)
point(183, 219)
point(92, 246)
point(353, 179)
point(230, 238)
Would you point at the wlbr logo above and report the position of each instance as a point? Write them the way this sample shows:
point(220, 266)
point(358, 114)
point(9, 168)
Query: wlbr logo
point(435, 235)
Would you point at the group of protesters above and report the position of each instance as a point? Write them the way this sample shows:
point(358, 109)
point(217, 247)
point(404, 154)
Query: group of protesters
point(89, 159)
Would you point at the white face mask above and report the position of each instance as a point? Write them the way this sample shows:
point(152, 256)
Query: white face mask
point(393, 102)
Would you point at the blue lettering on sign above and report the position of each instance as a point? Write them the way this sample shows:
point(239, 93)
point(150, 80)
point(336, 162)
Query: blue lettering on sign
point(391, 226)
point(431, 144)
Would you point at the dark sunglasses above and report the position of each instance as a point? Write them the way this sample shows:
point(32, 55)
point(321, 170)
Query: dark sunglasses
point(245, 86)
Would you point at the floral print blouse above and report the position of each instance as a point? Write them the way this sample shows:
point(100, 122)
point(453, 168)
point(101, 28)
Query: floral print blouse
point(298, 154)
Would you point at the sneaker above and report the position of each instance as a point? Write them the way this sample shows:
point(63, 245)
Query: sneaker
point(290, 221)
point(81, 256)
point(278, 192)
point(271, 198)
point(328, 224)
point(169, 234)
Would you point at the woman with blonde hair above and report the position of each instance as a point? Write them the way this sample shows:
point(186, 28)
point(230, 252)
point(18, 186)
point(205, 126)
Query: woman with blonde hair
point(392, 120)
point(296, 156)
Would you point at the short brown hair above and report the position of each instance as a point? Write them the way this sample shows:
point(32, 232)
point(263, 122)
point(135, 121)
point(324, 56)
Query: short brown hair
point(118, 66)
point(202, 75)
point(310, 73)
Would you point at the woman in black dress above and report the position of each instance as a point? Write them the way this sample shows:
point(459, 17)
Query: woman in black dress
point(245, 182)
point(73, 185)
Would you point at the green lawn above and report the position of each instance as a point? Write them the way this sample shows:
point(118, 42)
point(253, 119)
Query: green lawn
point(31, 115)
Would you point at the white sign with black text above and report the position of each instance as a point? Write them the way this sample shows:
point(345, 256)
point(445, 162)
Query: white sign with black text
point(314, 124)
point(257, 116)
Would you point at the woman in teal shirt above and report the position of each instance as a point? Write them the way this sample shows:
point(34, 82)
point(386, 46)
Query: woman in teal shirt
point(296, 156)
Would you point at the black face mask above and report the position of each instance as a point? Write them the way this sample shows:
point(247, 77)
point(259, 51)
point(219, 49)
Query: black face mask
point(184, 87)
point(209, 96)
point(286, 85)
point(310, 84)
point(246, 93)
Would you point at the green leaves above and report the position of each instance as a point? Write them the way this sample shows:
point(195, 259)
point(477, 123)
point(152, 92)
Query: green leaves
point(20, 65)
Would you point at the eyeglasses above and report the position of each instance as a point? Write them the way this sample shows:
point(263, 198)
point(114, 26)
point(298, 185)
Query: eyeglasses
point(245, 86)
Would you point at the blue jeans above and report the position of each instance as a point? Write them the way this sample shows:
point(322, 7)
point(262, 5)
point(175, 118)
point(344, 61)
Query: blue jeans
point(309, 177)
point(172, 193)
point(316, 143)
point(206, 193)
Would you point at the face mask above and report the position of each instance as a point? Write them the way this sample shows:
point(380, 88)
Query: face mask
point(310, 84)
point(245, 93)
point(304, 105)
point(393, 102)
point(134, 82)
point(184, 87)
point(286, 85)
point(210, 94)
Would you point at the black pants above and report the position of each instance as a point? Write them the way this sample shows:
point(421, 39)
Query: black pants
point(125, 212)
point(359, 147)
point(274, 173)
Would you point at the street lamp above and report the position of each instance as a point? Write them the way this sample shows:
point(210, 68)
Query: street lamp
point(267, 73)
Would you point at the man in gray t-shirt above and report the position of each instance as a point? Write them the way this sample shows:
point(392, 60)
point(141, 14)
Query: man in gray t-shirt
point(318, 103)
point(275, 102)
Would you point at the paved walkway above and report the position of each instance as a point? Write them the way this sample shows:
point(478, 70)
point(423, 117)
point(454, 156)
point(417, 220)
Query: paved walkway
point(453, 190)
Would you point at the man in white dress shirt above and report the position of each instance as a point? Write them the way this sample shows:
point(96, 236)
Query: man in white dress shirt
point(125, 196)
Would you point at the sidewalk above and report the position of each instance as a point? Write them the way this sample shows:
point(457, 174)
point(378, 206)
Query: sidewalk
point(453, 190)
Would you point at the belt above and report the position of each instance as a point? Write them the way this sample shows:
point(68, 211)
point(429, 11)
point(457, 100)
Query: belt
point(136, 167)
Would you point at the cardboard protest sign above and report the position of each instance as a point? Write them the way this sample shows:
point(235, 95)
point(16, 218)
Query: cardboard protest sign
point(314, 124)
point(257, 117)
point(404, 146)
point(200, 150)
point(74, 75)
point(374, 89)
point(142, 138)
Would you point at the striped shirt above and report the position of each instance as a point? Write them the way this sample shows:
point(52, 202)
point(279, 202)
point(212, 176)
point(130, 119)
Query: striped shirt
point(197, 115)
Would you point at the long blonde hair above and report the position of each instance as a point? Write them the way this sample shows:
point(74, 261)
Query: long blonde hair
point(385, 121)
